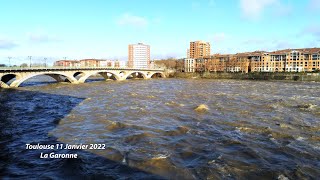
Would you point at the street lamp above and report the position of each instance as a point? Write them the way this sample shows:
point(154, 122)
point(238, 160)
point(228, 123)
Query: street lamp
point(9, 61)
point(45, 62)
point(64, 63)
point(30, 60)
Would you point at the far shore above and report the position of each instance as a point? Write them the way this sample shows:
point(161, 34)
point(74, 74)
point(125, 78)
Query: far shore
point(285, 76)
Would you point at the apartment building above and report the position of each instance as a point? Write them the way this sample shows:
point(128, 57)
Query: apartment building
point(298, 60)
point(92, 62)
point(108, 63)
point(123, 64)
point(216, 63)
point(198, 49)
point(139, 56)
point(67, 63)
point(152, 64)
point(116, 64)
point(89, 63)
point(201, 64)
point(189, 65)
point(288, 60)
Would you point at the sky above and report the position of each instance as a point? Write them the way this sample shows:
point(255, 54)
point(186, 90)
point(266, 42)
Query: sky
point(74, 29)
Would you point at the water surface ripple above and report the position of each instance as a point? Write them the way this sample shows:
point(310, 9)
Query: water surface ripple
point(250, 129)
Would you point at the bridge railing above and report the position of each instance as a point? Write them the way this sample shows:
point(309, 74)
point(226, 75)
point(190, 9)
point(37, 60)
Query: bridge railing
point(73, 68)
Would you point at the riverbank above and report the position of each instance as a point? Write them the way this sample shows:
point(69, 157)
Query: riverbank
point(252, 76)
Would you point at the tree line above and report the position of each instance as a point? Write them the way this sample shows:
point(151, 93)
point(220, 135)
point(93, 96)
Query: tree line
point(171, 63)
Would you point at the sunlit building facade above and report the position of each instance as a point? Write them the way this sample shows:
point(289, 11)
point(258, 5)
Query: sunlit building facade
point(189, 65)
point(198, 49)
point(67, 63)
point(139, 56)
point(89, 63)
point(288, 60)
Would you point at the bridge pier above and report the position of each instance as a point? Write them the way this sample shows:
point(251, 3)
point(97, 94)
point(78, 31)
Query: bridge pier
point(105, 76)
point(3, 85)
point(122, 78)
point(57, 77)
point(15, 83)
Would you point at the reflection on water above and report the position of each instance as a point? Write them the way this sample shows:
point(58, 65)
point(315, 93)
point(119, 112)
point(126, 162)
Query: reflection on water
point(174, 128)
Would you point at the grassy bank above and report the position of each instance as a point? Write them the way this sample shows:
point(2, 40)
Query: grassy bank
point(252, 76)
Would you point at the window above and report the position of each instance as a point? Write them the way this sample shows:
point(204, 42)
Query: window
point(314, 56)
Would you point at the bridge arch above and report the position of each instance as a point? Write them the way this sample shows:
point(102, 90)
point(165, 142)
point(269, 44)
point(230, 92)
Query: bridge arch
point(54, 75)
point(104, 74)
point(78, 75)
point(157, 74)
point(137, 74)
point(8, 77)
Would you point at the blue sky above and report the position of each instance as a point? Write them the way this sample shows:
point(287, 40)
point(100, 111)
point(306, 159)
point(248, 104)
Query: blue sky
point(104, 28)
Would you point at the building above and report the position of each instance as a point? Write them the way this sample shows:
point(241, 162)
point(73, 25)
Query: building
point(108, 63)
point(92, 62)
point(139, 56)
point(298, 60)
point(152, 64)
point(189, 65)
point(218, 63)
point(105, 63)
point(287, 60)
point(116, 64)
point(67, 63)
point(198, 49)
point(123, 64)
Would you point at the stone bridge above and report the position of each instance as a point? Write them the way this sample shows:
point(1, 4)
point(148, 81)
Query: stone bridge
point(14, 77)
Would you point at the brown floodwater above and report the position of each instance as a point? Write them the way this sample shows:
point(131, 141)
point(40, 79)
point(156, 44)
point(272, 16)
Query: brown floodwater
point(163, 129)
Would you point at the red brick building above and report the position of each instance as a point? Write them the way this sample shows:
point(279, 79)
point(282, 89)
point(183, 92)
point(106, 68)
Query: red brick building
point(67, 63)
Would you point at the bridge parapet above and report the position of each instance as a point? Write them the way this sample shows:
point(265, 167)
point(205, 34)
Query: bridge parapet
point(72, 68)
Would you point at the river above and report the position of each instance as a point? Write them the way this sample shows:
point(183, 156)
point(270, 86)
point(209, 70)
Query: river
point(152, 129)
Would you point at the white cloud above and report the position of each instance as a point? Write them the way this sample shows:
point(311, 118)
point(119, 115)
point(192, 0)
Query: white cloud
point(219, 37)
point(282, 44)
point(266, 44)
point(132, 20)
point(7, 43)
point(254, 8)
point(40, 36)
point(313, 30)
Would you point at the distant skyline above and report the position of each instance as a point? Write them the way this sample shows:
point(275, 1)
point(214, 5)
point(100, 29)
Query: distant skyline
point(104, 29)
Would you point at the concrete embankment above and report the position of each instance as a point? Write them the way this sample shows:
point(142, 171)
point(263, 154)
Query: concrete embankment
point(252, 76)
